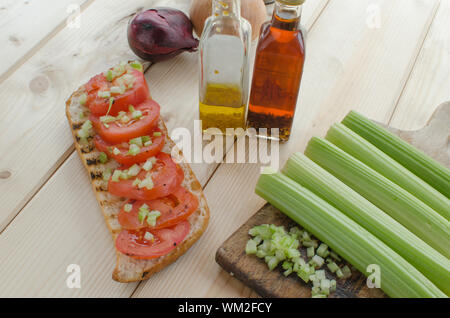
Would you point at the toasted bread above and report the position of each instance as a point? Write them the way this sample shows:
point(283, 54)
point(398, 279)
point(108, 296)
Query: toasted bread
point(127, 268)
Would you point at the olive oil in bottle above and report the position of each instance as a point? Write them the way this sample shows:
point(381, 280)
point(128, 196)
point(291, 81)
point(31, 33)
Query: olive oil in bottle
point(224, 74)
point(222, 107)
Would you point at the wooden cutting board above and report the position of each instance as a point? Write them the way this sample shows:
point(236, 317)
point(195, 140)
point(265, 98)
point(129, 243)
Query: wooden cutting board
point(433, 139)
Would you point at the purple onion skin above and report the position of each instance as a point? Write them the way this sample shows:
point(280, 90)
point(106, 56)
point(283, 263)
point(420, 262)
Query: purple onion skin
point(161, 33)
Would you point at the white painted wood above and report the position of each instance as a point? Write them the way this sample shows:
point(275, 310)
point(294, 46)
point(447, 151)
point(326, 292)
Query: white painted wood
point(429, 83)
point(39, 245)
point(25, 23)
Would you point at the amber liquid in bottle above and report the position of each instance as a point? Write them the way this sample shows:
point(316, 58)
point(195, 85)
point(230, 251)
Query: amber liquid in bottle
point(277, 74)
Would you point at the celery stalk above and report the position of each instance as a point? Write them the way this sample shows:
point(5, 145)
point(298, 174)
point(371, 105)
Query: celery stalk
point(412, 213)
point(361, 149)
point(345, 236)
point(427, 260)
point(413, 159)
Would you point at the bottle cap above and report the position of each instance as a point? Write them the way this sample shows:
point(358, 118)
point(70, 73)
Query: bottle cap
point(292, 2)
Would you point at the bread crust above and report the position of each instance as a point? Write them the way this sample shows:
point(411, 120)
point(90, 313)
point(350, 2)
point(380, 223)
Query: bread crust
point(128, 269)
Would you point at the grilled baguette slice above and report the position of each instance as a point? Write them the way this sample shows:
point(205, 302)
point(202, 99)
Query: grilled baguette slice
point(129, 269)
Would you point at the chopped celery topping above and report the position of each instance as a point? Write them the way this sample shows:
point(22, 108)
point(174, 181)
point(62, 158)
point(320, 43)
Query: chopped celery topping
point(116, 151)
point(103, 158)
point(136, 65)
point(134, 170)
point(107, 119)
point(143, 213)
point(136, 114)
point(117, 89)
point(104, 94)
point(134, 150)
point(85, 130)
point(83, 99)
point(146, 183)
point(152, 217)
point(276, 246)
point(111, 102)
point(148, 165)
point(149, 236)
point(137, 141)
point(116, 175)
point(107, 174)
point(109, 75)
point(145, 139)
point(127, 207)
point(157, 134)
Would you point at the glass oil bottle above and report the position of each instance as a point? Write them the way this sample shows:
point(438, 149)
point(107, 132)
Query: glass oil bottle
point(224, 67)
point(278, 69)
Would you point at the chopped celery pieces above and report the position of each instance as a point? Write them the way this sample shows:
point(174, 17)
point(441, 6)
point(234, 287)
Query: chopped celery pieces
point(361, 149)
point(427, 260)
point(346, 237)
point(408, 210)
point(410, 157)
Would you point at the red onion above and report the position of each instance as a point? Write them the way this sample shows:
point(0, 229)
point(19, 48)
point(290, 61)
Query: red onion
point(161, 33)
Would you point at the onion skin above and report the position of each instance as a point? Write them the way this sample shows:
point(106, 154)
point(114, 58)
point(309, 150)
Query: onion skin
point(161, 33)
point(254, 11)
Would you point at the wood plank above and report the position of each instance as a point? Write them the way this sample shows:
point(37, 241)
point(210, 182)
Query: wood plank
point(35, 139)
point(347, 67)
point(39, 245)
point(429, 83)
point(24, 24)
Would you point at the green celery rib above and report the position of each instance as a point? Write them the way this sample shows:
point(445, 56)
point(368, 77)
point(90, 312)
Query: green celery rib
point(361, 248)
point(413, 159)
point(427, 260)
point(412, 213)
point(361, 149)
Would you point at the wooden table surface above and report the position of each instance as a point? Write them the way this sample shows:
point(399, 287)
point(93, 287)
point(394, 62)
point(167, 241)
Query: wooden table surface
point(389, 59)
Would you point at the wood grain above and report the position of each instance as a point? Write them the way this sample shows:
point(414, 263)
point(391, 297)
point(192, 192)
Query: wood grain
point(24, 24)
point(429, 82)
point(346, 68)
point(39, 245)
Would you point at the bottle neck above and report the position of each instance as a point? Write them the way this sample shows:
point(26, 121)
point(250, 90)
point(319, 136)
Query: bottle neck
point(286, 17)
point(226, 8)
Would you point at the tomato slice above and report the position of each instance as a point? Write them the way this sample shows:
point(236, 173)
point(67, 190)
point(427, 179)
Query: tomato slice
point(133, 243)
point(174, 208)
point(126, 159)
point(164, 176)
point(118, 132)
point(132, 96)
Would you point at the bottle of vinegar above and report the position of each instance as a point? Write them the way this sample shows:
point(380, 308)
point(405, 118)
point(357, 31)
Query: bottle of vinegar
point(278, 69)
point(224, 71)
